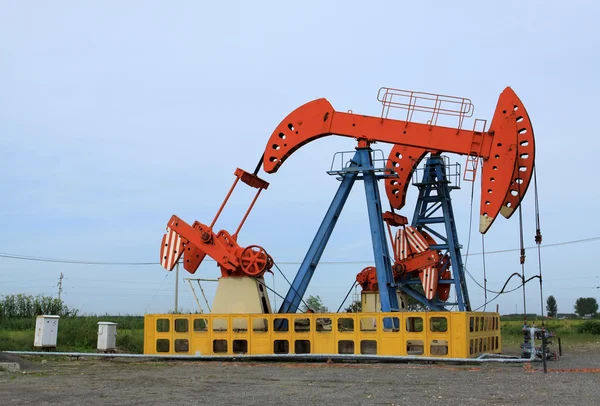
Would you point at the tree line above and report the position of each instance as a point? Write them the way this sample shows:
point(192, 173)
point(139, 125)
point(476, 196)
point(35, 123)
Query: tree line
point(584, 307)
point(22, 306)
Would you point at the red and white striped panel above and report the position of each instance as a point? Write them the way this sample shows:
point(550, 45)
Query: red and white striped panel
point(429, 279)
point(171, 249)
point(409, 241)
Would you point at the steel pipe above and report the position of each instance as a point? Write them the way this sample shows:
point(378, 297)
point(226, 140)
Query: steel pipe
point(482, 359)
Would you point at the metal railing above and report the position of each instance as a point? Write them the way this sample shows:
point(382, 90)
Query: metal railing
point(422, 102)
point(452, 172)
point(342, 163)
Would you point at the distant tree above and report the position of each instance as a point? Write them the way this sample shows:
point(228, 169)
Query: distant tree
point(354, 307)
point(586, 306)
point(566, 316)
point(314, 303)
point(551, 306)
point(414, 305)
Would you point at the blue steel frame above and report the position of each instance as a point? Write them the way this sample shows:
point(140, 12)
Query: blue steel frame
point(361, 163)
point(434, 194)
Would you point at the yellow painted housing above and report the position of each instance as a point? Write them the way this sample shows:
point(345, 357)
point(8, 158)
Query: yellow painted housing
point(439, 334)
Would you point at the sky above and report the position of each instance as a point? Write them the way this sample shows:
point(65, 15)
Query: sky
point(116, 115)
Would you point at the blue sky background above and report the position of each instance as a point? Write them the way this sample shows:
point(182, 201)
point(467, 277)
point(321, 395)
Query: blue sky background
point(115, 115)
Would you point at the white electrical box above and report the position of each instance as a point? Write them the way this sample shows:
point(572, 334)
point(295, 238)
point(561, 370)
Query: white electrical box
point(107, 336)
point(46, 331)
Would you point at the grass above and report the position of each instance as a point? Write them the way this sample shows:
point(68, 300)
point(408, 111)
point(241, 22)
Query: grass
point(570, 331)
point(74, 333)
point(559, 327)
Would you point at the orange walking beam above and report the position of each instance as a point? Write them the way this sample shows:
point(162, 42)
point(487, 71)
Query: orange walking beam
point(507, 148)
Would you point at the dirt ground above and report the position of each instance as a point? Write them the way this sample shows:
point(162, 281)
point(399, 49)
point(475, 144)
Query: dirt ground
point(573, 380)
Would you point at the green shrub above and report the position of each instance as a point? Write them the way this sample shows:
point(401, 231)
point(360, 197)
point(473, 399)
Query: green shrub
point(589, 327)
point(16, 340)
point(511, 328)
point(131, 341)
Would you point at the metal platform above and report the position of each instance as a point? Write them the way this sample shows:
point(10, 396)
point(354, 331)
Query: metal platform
point(420, 334)
point(343, 162)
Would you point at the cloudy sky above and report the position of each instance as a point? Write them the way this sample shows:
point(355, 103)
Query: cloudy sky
point(115, 115)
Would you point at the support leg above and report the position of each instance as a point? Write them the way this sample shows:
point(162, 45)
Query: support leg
point(385, 277)
point(309, 264)
point(462, 295)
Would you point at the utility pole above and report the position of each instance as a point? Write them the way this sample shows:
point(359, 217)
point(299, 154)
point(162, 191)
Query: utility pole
point(176, 287)
point(60, 285)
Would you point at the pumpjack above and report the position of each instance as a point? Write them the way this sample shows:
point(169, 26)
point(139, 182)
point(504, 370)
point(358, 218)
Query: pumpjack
point(426, 261)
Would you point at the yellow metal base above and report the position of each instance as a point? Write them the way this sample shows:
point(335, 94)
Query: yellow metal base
point(442, 334)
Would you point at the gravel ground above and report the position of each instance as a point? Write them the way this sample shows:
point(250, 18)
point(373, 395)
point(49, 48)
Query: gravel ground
point(571, 381)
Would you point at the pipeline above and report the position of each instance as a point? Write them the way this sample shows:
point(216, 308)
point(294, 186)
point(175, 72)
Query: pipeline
point(482, 359)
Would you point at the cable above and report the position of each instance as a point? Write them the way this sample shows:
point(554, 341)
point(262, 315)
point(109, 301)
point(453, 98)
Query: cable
point(556, 244)
point(470, 223)
point(260, 162)
point(500, 291)
point(347, 294)
point(295, 291)
point(480, 285)
point(490, 301)
point(538, 241)
point(477, 283)
point(262, 283)
point(357, 262)
point(484, 273)
point(120, 282)
point(521, 244)
point(508, 291)
point(72, 261)
point(274, 297)
point(155, 293)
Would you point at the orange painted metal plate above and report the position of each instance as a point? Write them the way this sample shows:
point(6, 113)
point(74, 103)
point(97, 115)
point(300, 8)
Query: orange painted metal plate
point(497, 170)
point(443, 288)
point(394, 219)
point(308, 122)
point(523, 170)
point(171, 249)
point(429, 280)
point(317, 119)
point(192, 258)
point(202, 237)
point(250, 179)
point(403, 160)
